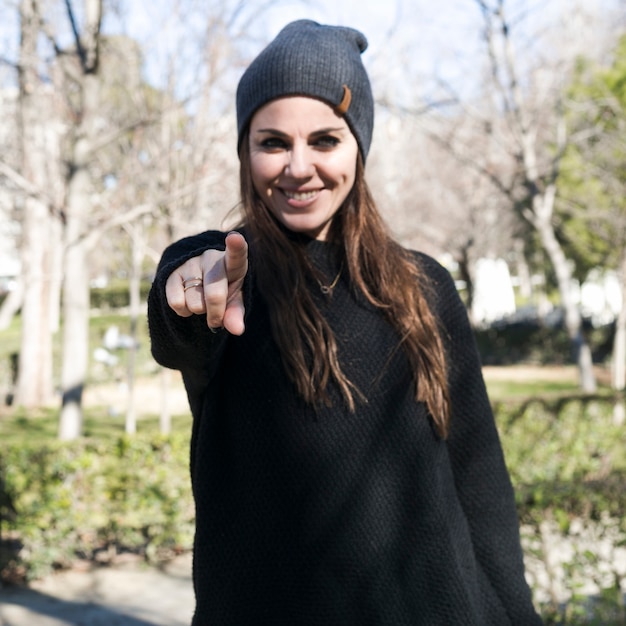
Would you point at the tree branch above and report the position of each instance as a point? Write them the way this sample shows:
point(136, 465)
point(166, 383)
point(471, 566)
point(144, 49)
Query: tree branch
point(10, 63)
point(25, 185)
point(79, 45)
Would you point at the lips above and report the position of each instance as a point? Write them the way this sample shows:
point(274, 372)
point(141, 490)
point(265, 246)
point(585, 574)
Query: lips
point(300, 196)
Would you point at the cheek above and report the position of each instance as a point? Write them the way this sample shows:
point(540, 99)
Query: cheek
point(351, 176)
point(256, 181)
point(347, 177)
point(264, 168)
point(342, 167)
point(264, 173)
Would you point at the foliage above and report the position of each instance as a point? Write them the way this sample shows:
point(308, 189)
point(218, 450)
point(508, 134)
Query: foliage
point(93, 498)
point(115, 296)
point(531, 341)
point(568, 464)
point(591, 187)
point(110, 493)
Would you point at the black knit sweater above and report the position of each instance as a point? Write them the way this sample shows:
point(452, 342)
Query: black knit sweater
point(331, 518)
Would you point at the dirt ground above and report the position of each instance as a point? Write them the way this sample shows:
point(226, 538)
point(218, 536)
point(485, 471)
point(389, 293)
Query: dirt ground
point(150, 395)
point(126, 594)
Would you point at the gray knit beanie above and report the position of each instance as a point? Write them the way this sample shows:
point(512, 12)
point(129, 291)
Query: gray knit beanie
point(309, 59)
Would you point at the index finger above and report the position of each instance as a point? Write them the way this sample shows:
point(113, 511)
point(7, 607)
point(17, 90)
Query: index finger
point(236, 257)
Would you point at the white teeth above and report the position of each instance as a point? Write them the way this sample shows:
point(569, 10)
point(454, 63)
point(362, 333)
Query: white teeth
point(304, 195)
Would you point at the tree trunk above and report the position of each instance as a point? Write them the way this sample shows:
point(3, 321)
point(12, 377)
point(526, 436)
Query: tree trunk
point(573, 320)
point(79, 203)
point(56, 275)
point(137, 254)
point(523, 271)
point(618, 364)
point(34, 382)
point(465, 273)
point(34, 375)
point(75, 341)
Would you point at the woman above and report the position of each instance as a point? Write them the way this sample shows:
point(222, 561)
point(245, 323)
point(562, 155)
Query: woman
point(345, 464)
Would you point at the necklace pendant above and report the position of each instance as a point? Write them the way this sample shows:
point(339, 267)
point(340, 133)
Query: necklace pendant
point(327, 290)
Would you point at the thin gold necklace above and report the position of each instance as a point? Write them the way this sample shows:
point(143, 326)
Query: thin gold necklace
point(327, 290)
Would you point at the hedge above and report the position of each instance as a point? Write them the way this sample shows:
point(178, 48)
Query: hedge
point(567, 461)
point(91, 499)
point(116, 295)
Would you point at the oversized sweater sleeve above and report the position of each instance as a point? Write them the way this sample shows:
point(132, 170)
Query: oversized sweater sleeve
point(183, 343)
point(481, 477)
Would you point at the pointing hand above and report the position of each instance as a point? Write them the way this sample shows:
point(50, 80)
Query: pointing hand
point(211, 284)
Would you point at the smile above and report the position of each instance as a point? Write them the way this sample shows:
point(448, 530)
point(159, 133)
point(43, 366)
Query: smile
point(300, 195)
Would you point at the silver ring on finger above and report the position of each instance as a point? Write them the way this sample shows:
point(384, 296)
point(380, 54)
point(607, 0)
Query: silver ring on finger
point(190, 283)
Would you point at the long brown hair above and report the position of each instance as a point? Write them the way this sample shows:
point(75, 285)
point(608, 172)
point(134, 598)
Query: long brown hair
point(385, 273)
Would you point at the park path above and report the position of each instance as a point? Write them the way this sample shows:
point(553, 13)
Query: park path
point(126, 594)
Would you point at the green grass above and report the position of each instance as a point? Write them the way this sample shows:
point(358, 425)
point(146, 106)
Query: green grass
point(98, 325)
point(500, 390)
point(504, 384)
point(42, 425)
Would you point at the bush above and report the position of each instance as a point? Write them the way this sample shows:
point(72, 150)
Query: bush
point(532, 342)
point(568, 463)
point(566, 456)
point(93, 499)
point(115, 296)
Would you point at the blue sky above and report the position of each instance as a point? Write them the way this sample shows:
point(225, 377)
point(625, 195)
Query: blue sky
point(408, 38)
point(413, 36)
point(412, 39)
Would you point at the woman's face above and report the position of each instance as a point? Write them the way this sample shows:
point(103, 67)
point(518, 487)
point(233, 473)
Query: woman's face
point(303, 161)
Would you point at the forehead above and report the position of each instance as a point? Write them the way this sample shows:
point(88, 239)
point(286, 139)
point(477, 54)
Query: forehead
point(297, 112)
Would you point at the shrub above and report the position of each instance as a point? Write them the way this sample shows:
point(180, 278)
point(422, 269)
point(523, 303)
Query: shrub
point(568, 463)
point(92, 498)
point(566, 457)
point(532, 342)
point(116, 295)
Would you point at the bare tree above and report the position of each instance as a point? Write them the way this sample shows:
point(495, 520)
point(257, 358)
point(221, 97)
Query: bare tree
point(537, 139)
point(34, 382)
point(78, 205)
point(123, 150)
point(520, 111)
point(110, 110)
point(430, 200)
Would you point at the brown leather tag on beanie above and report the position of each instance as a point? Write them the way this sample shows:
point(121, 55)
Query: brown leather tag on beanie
point(344, 105)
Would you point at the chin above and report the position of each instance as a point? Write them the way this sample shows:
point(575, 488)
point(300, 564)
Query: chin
point(312, 230)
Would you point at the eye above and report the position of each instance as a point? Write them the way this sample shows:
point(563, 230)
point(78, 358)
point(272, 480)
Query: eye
point(326, 142)
point(273, 143)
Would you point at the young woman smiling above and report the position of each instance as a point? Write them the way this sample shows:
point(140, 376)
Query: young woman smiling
point(345, 463)
point(303, 162)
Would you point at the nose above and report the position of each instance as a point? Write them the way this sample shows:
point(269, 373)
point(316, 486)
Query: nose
point(300, 162)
